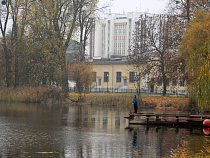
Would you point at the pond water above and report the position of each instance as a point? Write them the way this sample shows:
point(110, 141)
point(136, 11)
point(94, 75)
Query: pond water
point(62, 131)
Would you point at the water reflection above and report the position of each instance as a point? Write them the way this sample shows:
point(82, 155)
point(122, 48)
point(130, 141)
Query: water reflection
point(206, 131)
point(85, 131)
point(193, 146)
point(28, 130)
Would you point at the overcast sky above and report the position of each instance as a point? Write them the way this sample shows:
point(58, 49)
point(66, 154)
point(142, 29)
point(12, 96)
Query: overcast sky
point(150, 6)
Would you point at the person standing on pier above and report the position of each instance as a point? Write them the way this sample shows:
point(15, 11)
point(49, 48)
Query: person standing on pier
point(135, 101)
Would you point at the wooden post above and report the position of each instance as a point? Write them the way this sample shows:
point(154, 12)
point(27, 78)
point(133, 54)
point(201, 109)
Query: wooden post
point(177, 120)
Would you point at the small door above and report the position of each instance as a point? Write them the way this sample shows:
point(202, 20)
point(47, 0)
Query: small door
point(99, 82)
point(152, 88)
point(125, 82)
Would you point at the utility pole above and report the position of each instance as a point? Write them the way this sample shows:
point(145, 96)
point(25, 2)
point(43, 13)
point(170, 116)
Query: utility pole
point(107, 82)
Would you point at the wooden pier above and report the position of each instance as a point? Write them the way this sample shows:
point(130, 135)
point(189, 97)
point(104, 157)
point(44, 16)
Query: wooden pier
point(166, 119)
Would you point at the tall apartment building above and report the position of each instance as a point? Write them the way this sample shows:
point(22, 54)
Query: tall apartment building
point(112, 35)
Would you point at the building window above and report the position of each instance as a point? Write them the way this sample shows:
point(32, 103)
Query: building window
point(167, 81)
point(131, 76)
point(159, 69)
point(174, 83)
point(106, 76)
point(118, 76)
point(159, 82)
point(181, 82)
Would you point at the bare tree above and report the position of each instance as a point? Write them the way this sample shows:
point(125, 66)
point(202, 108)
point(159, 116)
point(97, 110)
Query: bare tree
point(157, 45)
point(86, 21)
point(186, 8)
point(140, 57)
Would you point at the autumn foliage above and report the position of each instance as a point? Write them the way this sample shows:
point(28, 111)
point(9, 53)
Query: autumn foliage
point(82, 74)
point(32, 95)
point(195, 50)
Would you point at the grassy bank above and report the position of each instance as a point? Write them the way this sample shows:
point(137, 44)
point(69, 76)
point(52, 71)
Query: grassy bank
point(31, 95)
point(126, 100)
point(53, 95)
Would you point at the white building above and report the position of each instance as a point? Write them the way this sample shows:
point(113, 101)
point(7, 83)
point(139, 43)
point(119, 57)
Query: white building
point(112, 35)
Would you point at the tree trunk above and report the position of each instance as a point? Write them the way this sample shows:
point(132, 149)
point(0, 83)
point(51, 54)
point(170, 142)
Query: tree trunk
point(16, 70)
point(65, 85)
point(163, 75)
point(7, 64)
point(15, 46)
point(164, 84)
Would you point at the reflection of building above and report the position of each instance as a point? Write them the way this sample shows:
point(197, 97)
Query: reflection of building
point(116, 76)
point(102, 119)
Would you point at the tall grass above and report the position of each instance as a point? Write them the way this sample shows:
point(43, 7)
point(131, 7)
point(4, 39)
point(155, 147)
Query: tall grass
point(55, 95)
point(105, 99)
point(125, 100)
point(31, 95)
point(169, 102)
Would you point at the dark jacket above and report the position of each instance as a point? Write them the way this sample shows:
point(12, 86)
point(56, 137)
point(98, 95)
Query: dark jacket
point(135, 100)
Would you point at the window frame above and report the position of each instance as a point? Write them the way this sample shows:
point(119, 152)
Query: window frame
point(118, 76)
point(106, 76)
point(131, 77)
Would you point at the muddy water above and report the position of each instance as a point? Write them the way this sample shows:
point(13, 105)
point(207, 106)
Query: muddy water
point(87, 131)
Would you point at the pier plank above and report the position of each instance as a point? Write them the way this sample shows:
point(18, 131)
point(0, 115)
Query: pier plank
point(167, 119)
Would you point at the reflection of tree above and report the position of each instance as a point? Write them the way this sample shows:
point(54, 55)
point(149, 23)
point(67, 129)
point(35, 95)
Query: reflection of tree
point(190, 147)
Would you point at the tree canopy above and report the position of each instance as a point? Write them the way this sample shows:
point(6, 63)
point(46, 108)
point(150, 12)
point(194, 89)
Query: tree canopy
point(195, 50)
point(34, 50)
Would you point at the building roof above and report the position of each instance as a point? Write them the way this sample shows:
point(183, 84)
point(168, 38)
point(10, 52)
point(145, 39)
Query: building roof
point(108, 61)
point(73, 47)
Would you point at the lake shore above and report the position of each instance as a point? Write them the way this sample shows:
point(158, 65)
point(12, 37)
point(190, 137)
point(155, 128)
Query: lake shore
point(51, 95)
point(125, 100)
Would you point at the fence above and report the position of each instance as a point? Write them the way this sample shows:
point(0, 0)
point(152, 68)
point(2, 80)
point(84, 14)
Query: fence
point(112, 90)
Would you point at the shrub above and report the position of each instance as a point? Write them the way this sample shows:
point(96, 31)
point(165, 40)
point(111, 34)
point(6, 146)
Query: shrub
point(32, 95)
